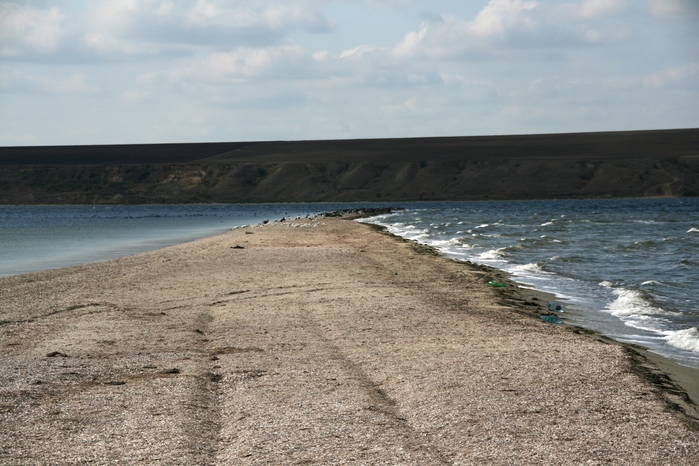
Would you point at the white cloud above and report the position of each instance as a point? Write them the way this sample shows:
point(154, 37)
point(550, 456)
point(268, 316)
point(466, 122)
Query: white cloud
point(25, 28)
point(123, 29)
point(321, 56)
point(499, 17)
point(410, 43)
point(359, 52)
point(672, 76)
point(676, 9)
point(194, 24)
point(241, 69)
point(267, 62)
point(513, 26)
point(599, 8)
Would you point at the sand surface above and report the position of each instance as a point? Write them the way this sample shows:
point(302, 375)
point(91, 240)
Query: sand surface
point(313, 342)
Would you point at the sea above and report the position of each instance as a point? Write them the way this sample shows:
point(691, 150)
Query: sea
point(35, 238)
point(628, 269)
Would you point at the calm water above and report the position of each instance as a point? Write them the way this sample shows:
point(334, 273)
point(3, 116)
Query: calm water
point(626, 268)
point(34, 238)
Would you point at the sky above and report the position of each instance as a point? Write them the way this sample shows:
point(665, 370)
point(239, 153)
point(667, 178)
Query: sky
point(158, 71)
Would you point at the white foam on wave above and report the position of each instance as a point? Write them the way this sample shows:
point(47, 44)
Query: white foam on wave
point(693, 230)
point(547, 223)
point(687, 339)
point(445, 242)
point(528, 269)
point(632, 303)
point(648, 323)
point(493, 255)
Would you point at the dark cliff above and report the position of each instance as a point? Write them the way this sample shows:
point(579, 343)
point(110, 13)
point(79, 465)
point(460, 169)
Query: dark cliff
point(581, 165)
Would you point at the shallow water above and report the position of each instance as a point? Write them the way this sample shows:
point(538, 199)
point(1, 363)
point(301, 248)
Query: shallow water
point(34, 238)
point(626, 268)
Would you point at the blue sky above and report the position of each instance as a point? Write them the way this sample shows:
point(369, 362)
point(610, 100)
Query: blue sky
point(147, 71)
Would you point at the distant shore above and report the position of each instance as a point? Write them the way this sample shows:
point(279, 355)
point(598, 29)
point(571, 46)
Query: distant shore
point(622, 164)
point(319, 341)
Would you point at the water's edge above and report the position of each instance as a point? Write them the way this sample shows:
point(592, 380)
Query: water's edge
point(676, 384)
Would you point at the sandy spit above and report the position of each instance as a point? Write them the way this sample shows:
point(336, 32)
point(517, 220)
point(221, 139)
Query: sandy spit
point(312, 342)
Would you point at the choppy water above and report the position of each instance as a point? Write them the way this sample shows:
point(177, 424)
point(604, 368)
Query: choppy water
point(626, 268)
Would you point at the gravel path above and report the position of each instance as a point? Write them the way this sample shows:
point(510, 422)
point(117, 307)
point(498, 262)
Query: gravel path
point(310, 342)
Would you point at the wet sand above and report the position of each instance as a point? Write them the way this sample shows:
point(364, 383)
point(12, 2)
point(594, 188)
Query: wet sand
point(318, 342)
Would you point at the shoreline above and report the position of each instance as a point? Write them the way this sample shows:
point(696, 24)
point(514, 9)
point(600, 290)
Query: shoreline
point(678, 383)
point(312, 341)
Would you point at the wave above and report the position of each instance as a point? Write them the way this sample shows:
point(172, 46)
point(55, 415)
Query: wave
point(568, 259)
point(566, 255)
point(634, 303)
point(450, 242)
point(533, 243)
point(532, 267)
point(687, 339)
point(483, 235)
point(493, 254)
point(636, 245)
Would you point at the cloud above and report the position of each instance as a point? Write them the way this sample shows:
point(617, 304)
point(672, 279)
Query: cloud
point(268, 62)
point(118, 30)
point(358, 52)
point(591, 9)
point(674, 9)
point(203, 23)
point(499, 17)
point(672, 76)
point(25, 29)
point(504, 26)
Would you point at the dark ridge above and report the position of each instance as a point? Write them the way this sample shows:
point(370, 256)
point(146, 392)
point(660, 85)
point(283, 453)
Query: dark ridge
point(118, 154)
point(603, 145)
point(599, 146)
point(661, 163)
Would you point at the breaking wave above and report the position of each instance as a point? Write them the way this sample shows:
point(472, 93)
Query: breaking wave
point(687, 339)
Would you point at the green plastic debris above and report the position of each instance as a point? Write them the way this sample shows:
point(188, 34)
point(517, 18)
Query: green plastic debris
point(551, 319)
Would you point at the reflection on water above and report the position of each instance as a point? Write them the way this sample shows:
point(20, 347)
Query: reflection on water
point(34, 238)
